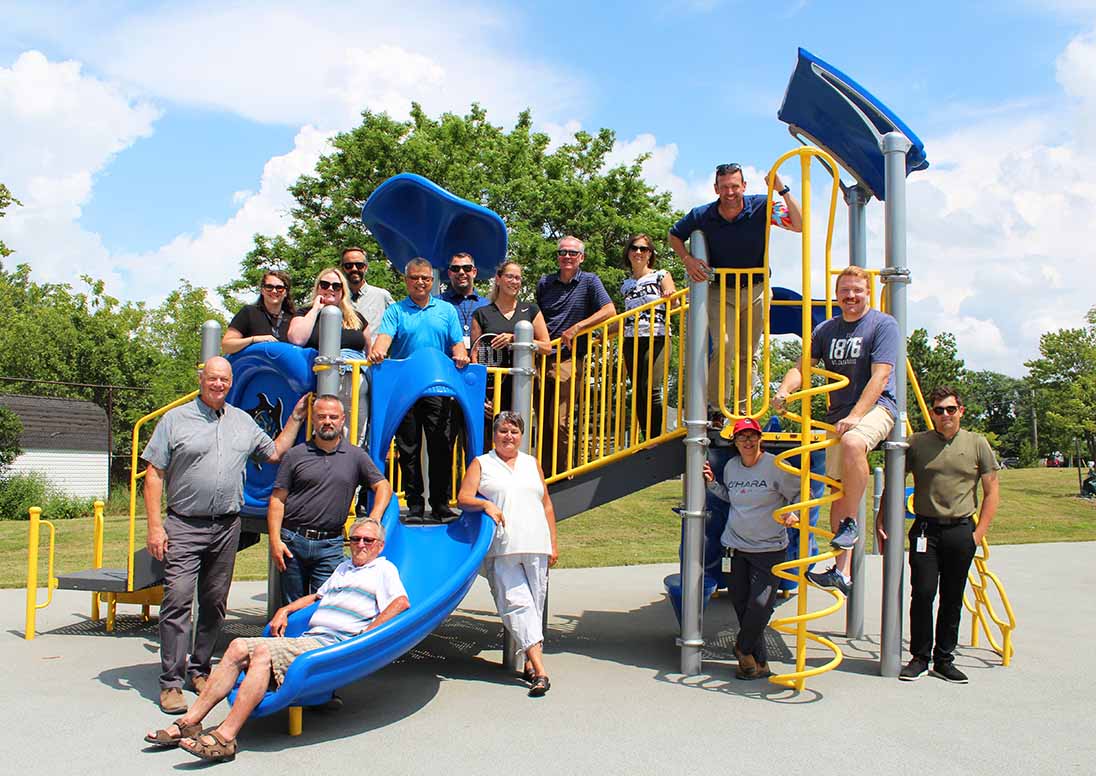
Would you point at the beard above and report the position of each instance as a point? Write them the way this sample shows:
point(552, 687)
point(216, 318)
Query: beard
point(328, 433)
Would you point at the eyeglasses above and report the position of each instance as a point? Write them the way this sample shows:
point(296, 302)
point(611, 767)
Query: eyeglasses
point(469, 268)
point(511, 276)
point(567, 252)
point(728, 168)
point(420, 278)
point(330, 285)
point(640, 248)
point(277, 289)
point(362, 540)
point(354, 265)
point(950, 409)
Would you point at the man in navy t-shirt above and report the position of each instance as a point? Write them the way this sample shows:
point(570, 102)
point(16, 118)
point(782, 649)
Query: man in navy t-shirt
point(862, 345)
point(734, 228)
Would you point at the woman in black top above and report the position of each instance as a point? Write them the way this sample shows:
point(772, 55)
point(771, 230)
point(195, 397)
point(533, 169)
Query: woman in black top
point(330, 288)
point(499, 318)
point(267, 320)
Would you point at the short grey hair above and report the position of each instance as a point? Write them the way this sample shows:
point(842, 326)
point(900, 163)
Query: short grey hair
point(418, 261)
point(362, 521)
point(507, 417)
point(581, 244)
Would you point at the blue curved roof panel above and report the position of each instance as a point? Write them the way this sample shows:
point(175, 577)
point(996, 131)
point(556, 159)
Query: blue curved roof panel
point(412, 216)
point(831, 110)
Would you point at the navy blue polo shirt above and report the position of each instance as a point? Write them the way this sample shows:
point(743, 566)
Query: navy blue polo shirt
point(565, 304)
point(736, 244)
point(466, 305)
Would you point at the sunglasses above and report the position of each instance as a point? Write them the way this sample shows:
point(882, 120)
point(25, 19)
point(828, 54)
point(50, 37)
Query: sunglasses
point(354, 265)
point(566, 252)
point(273, 288)
point(640, 248)
point(950, 409)
point(362, 540)
point(727, 169)
point(469, 268)
point(330, 285)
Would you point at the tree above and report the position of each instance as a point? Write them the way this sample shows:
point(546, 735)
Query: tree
point(1064, 378)
point(992, 402)
point(934, 364)
point(6, 199)
point(540, 194)
point(10, 430)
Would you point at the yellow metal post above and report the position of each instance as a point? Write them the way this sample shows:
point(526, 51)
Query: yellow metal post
point(97, 553)
point(32, 573)
point(296, 720)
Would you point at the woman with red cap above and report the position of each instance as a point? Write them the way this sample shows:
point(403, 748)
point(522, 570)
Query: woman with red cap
point(756, 489)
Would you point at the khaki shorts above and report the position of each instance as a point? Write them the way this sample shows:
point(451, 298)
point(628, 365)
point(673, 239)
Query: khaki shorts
point(282, 652)
point(873, 428)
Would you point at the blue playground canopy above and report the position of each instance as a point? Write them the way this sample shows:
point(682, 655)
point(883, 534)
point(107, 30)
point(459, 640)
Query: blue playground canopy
point(824, 106)
point(412, 216)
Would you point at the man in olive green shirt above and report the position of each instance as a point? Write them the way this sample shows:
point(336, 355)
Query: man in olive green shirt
point(947, 465)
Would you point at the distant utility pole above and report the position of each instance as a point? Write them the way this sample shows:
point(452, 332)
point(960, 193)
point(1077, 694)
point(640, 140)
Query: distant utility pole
point(1034, 425)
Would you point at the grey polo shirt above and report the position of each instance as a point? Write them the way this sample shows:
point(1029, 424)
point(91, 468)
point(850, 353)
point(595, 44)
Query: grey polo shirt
point(321, 485)
point(203, 454)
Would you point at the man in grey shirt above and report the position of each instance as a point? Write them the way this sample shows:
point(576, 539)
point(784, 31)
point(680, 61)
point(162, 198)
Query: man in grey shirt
point(755, 487)
point(199, 450)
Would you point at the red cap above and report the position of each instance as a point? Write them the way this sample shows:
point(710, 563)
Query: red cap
point(746, 424)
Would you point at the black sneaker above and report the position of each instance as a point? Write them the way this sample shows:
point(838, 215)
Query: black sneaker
point(830, 579)
point(949, 673)
point(913, 670)
point(846, 536)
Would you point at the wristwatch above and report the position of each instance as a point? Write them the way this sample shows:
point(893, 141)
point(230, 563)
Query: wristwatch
point(784, 190)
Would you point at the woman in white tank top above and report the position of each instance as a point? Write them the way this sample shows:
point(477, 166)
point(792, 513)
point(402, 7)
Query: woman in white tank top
point(515, 497)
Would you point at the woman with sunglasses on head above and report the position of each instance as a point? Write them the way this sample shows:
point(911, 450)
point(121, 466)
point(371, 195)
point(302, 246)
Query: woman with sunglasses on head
point(644, 346)
point(267, 320)
point(514, 495)
point(498, 318)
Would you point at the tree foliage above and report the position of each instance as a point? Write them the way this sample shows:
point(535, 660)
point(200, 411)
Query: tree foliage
point(10, 430)
point(1064, 379)
point(936, 363)
point(6, 199)
point(541, 194)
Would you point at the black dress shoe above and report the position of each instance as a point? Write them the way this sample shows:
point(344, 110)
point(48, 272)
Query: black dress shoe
point(415, 514)
point(442, 514)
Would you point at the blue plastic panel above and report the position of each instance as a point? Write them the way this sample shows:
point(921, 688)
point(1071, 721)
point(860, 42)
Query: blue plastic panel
point(411, 216)
point(837, 114)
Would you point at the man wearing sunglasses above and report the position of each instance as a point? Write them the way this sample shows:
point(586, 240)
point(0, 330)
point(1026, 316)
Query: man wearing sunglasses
point(370, 301)
point(734, 228)
point(947, 464)
point(571, 301)
point(311, 499)
point(422, 321)
point(364, 592)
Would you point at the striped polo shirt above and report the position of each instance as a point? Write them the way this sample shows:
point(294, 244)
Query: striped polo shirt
point(351, 597)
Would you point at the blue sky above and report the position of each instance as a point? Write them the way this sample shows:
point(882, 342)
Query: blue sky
point(148, 141)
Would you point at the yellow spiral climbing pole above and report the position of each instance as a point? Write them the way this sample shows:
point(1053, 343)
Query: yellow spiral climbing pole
point(812, 438)
point(982, 611)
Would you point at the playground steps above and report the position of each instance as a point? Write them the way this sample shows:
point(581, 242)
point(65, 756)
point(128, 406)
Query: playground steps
point(147, 572)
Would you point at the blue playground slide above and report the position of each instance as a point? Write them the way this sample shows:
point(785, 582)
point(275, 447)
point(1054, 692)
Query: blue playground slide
point(437, 563)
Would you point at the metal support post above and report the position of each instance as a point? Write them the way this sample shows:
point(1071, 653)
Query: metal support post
point(696, 442)
point(521, 399)
point(896, 276)
point(856, 197)
point(211, 340)
point(330, 323)
point(876, 501)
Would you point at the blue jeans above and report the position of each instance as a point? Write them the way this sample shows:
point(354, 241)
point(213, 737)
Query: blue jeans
point(313, 561)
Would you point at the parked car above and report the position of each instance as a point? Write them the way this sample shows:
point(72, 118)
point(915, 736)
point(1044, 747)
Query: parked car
point(1056, 460)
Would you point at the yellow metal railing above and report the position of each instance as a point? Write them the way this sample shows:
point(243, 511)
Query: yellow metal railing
point(982, 611)
point(97, 528)
point(589, 412)
point(33, 539)
point(796, 624)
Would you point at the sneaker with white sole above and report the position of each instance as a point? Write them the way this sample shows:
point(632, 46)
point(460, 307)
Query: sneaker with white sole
point(913, 670)
point(949, 673)
point(830, 579)
point(846, 536)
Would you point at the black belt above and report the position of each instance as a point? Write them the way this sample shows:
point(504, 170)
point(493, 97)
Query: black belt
point(312, 533)
point(945, 520)
point(226, 516)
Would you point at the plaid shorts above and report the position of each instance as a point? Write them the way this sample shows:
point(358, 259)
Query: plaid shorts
point(282, 651)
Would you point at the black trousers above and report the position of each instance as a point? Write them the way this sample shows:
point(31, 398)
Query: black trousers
point(646, 382)
point(429, 416)
point(753, 589)
point(948, 554)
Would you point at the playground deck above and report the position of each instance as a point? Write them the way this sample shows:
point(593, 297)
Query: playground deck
point(76, 699)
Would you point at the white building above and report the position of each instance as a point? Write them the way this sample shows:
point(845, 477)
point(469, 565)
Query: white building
point(66, 440)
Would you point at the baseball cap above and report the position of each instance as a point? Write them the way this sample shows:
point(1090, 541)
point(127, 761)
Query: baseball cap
point(746, 424)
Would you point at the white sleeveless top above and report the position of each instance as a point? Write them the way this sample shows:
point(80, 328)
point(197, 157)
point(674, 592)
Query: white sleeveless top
point(519, 493)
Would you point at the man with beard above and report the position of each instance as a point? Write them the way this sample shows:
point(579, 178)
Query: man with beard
point(370, 301)
point(311, 499)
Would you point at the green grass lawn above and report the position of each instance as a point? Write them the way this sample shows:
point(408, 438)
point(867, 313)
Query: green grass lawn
point(1037, 505)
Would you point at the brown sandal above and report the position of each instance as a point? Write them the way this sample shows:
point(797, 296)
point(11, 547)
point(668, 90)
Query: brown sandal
point(167, 740)
point(220, 751)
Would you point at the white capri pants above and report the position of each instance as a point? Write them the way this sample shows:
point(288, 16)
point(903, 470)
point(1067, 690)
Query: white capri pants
point(519, 585)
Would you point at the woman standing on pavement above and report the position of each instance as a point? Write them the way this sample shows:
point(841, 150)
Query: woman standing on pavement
point(645, 332)
point(267, 320)
point(756, 488)
point(515, 497)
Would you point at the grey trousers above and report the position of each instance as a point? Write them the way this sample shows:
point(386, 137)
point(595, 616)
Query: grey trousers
point(753, 593)
point(200, 552)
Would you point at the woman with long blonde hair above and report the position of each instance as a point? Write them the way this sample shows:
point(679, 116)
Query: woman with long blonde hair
point(330, 288)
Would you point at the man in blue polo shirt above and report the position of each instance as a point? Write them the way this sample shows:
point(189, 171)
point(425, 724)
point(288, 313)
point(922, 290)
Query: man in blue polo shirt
point(734, 228)
point(571, 300)
point(422, 321)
